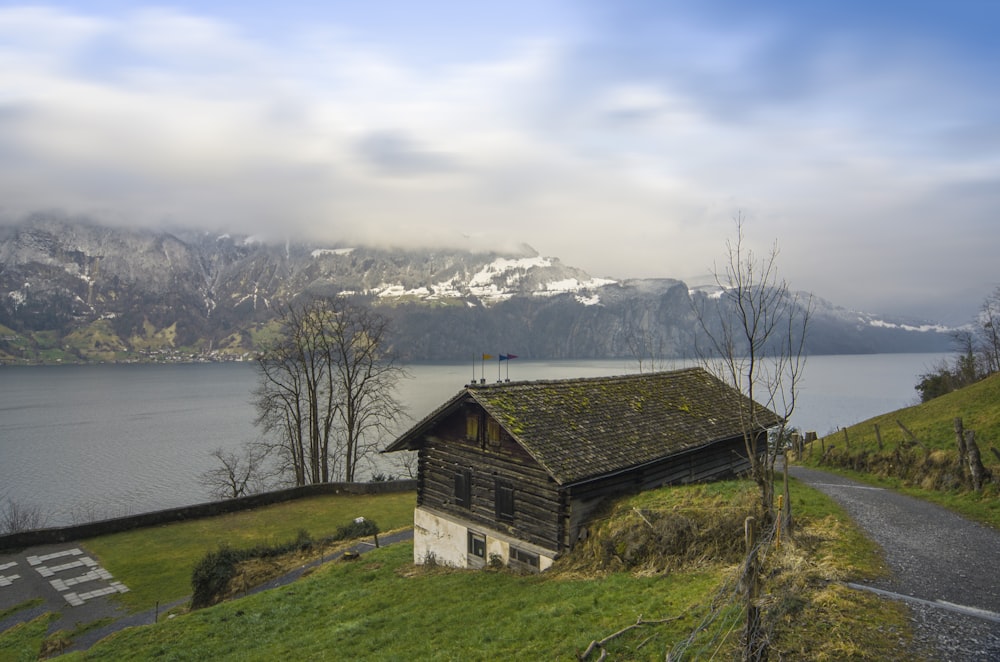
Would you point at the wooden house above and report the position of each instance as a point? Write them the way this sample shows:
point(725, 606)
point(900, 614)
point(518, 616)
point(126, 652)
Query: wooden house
point(511, 472)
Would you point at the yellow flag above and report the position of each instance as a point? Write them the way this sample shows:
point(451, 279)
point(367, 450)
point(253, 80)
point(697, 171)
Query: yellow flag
point(487, 357)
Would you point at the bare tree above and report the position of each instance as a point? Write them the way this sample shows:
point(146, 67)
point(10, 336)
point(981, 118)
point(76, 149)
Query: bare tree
point(988, 333)
point(239, 472)
point(327, 389)
point(405, 464)
point(16, 517)
point(754, 340)
point(644, 345)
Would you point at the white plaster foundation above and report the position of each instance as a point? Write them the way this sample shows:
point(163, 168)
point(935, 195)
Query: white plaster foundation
point(446, 540)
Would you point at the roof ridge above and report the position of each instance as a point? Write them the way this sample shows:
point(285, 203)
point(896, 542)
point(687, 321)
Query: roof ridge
point(577, 380)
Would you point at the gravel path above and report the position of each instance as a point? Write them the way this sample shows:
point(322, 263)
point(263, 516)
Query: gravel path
point(944, 566)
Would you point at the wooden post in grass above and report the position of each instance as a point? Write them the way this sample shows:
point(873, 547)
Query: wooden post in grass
point(976, 468)
point(754, 646)
point(878, 437)
point(912, 437)
point(847, 440)
point(962, 467)
point(786, 510)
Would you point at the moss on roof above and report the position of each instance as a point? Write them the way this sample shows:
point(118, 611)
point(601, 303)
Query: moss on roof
point(582, 428)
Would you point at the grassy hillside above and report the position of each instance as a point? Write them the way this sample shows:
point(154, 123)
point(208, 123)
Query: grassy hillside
point(926, 462)
point(382, 607)
point(156, 562)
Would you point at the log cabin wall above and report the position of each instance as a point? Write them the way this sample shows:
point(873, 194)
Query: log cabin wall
point(490, 466)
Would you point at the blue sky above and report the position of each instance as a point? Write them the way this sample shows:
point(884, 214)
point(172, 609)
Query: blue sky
point(622, 137)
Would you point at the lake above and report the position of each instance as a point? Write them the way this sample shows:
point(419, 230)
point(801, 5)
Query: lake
point(90, 442)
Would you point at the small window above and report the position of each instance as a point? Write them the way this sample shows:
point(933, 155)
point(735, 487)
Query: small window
point(493, 432)
point(504, 501)
point(463, 488)
point(521, 556)
point(477, 544)
point(472, 427)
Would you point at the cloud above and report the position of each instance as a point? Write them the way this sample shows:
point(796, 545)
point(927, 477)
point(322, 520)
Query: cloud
point(621, 138)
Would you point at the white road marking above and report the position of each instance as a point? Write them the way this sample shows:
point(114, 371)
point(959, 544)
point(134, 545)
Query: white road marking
point(35, 560)
point(852, 487)
point(984, 614)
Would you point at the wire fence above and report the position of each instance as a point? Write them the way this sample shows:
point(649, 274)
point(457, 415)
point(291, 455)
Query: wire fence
point(733, 609)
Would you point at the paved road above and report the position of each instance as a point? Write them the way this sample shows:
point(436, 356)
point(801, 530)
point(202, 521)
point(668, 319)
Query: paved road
point(944, 566)
point(72, 583)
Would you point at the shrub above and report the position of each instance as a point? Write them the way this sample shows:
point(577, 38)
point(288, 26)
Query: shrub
point(359, 528)
point(212, 574)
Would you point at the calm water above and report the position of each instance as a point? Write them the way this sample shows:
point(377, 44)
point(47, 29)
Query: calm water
point(86, 442)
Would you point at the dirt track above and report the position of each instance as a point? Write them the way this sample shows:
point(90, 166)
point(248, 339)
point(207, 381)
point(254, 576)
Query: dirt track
point(943, 566)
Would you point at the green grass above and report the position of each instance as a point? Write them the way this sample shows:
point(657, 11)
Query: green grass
point(27, 604)
point(24, 641)
point(382, 607)
point(930, 464)
point(156, 562)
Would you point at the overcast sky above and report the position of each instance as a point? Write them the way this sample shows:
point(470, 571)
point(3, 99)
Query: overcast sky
point(620, 136)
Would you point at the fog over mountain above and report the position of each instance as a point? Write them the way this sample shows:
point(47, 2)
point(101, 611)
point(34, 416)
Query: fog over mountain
point(77, 290)
point(622, 137)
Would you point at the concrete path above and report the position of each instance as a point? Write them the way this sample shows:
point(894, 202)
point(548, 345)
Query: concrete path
point(943, 565)
point(72, 584)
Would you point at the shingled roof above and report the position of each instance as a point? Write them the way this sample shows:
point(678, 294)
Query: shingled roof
point(578, 429)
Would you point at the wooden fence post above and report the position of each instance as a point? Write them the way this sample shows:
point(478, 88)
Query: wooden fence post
point(962, 466)
point(878, 437)
point(754, 640)
point(786, 511)
point(976, 468)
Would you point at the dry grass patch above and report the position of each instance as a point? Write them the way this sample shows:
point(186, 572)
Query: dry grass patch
point(667, 530)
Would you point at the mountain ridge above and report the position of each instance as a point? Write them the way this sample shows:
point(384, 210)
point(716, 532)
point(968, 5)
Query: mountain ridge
point(79, 290)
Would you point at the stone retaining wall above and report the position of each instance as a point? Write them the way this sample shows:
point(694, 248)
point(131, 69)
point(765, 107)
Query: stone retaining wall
point(211, 509)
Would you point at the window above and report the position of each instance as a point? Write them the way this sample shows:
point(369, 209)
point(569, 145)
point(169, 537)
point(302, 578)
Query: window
point(521, 556)
point(463, 488)
point(504, 501)
point(493, 432)
point(472, 427)
point(477, 544)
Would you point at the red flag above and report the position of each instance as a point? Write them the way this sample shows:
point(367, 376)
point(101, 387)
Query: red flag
point(508, 357)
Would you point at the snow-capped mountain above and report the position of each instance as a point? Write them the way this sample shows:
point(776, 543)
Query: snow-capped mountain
point(72, 290)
